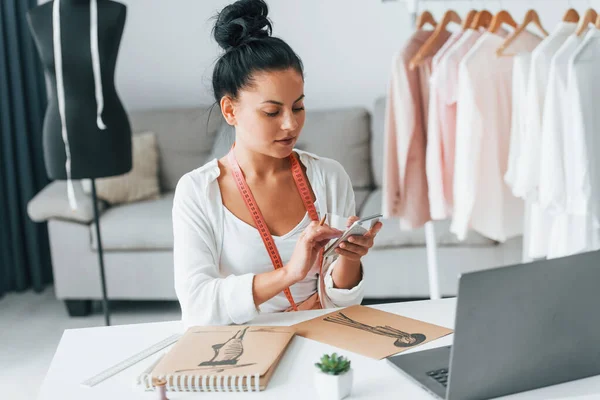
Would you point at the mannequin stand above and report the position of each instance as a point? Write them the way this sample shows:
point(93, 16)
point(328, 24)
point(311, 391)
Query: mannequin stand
point(100, 255)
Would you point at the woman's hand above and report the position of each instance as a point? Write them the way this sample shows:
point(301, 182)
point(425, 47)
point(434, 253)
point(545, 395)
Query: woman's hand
point(305, 254)
point(358, 246)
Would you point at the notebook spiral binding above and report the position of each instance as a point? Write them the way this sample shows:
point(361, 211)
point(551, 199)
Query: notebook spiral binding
point(205, 383)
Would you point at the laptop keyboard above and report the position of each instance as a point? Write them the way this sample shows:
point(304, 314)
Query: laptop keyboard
point(440, 375)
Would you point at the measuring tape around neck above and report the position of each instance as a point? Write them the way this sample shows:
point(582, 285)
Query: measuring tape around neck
point(259, 221)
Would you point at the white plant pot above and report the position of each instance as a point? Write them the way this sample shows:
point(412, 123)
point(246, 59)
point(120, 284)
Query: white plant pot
point(333, 387)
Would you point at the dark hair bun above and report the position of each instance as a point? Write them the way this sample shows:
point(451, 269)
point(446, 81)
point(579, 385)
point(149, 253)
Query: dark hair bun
point(241, 22)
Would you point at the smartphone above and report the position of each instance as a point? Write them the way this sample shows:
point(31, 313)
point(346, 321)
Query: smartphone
point(357, 228)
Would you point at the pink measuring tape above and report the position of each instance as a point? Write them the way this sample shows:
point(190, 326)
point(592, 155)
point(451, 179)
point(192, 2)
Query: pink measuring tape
point(261, 225)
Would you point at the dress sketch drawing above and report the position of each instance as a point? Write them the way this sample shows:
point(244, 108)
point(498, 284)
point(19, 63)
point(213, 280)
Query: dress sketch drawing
point(403, 339)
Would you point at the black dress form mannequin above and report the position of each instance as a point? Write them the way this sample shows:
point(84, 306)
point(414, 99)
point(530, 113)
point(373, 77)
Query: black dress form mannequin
point(95, 152)
point(93, 128)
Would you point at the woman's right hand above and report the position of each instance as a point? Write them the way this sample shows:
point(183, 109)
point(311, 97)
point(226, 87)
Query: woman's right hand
point(305, 254)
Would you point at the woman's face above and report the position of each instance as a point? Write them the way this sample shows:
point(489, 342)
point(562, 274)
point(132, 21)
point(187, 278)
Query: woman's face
point(269, 115)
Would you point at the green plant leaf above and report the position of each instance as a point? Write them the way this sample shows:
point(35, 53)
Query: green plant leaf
point(333, 364)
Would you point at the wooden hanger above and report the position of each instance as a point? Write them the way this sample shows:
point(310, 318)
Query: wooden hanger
point(424, 19)
point(571, 16)
point(502, 17)
point(589, 17)
point(530, 17)
point(469, 18)
point(483, 19)
point(427, 49)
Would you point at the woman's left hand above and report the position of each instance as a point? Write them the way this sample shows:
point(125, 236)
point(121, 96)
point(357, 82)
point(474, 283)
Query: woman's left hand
point(358, 246)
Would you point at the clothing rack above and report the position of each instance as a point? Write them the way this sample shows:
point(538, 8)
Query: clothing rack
point(413, 7)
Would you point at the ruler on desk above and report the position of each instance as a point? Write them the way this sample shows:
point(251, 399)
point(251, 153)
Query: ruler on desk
point(134, 359)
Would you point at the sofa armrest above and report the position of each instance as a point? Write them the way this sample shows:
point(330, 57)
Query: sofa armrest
point(52, 203)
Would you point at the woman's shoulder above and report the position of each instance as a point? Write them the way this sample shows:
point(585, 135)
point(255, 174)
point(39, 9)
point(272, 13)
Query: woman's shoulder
point(198, 181)
point(329, 167)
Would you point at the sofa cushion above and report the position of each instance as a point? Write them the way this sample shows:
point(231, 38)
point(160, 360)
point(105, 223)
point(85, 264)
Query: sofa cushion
point(145, 225)
point(392, 236)
point(185, 137)
point(52, 202)
point(378, 141)
point(360, 197)
point(341, 134)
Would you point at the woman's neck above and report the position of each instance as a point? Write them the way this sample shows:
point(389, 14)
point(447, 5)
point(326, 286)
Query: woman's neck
point(256, 165)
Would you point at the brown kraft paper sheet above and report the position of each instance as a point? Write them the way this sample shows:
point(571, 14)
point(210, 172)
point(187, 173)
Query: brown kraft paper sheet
point(370, 332)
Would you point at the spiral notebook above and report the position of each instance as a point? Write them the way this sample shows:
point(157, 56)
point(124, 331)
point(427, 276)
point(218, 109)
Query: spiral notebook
point(223, 358)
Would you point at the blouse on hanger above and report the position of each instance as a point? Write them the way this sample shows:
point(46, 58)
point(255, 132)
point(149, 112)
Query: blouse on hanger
point(525, 183)
point(442, 126)
point(482, 201)
point(405, 183)
point(584, 66)
point(582, 164)
point(567, 233)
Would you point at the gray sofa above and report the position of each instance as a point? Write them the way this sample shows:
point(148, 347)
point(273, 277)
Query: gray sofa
point(137, 237)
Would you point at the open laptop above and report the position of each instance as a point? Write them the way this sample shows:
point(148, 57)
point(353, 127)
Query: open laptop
point(517, 328)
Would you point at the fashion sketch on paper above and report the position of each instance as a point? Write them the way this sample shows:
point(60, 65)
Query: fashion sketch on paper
point(227, 354)
point(403, 339)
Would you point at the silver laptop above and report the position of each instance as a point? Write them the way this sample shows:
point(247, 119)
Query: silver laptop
point(517, 328)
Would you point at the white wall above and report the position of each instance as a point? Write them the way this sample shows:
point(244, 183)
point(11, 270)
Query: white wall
point(167, 53)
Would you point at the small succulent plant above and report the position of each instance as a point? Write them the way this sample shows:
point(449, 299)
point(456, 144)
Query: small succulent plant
point(334, 364)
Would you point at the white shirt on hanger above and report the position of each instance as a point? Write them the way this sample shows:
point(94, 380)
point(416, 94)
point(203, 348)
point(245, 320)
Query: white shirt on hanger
point(525, 184)
point(520, 111)
point(567, 235)
point(527, 179)
point(583, 174)
point(585, 67)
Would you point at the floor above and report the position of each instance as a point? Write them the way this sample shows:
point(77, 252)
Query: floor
point(33, 323)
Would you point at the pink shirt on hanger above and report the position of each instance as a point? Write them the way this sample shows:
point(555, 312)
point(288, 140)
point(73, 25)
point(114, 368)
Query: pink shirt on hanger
point(442, 125)
point(405, 183)
point(454, 37)
point(482, 200)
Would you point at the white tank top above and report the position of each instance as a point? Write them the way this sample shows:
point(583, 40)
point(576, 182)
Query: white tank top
point(244, 252)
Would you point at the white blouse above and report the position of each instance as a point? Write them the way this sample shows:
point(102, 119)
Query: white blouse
point(213, 288)
point(566, 235)
point(539, 221)
point(244, 252)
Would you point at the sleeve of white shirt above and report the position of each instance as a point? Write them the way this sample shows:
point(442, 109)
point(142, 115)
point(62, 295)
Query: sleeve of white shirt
point(469, 126)
point(515, 129)
point(575, 155)
point(552, 176)
point(346, 203)
point(206, 297)
point(527, 179)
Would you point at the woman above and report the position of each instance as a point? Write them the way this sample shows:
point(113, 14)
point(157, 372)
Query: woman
point(224, 272)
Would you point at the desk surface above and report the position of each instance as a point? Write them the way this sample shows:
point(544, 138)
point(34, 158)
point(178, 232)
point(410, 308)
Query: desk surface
point(83, 353)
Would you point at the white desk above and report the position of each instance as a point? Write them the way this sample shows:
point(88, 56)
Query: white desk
point(83, 353)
